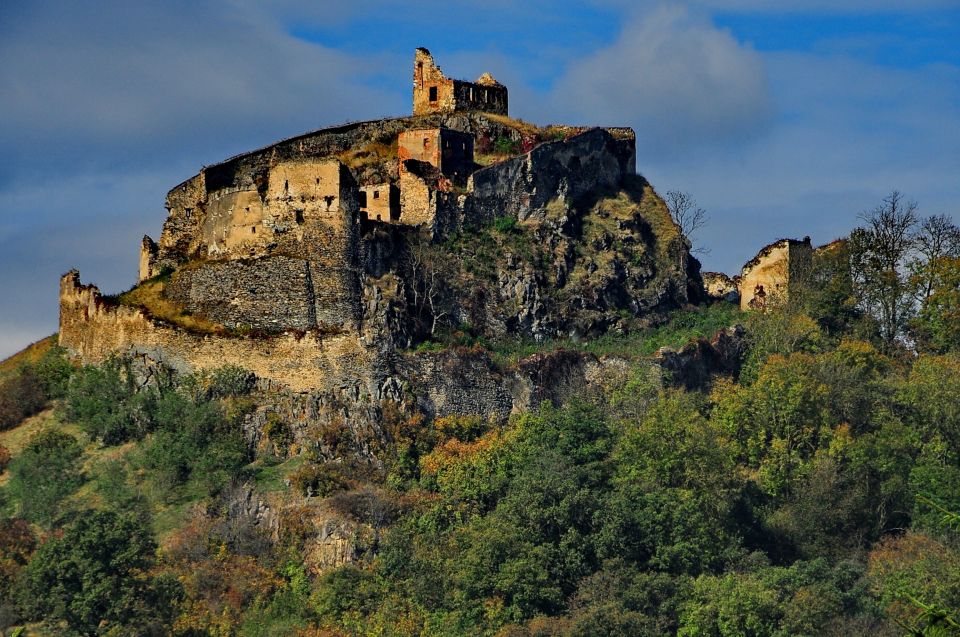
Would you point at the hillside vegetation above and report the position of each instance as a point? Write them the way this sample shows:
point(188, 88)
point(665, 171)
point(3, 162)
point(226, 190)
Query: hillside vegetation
point(815, 493)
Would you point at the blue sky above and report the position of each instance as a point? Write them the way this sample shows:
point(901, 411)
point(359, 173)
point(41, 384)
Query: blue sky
point(782, 118)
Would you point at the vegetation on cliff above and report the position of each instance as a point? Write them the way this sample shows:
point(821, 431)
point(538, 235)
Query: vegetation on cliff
point(813, 493)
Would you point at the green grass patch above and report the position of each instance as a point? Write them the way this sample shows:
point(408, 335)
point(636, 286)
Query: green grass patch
point(269, 478)
point(683, 327)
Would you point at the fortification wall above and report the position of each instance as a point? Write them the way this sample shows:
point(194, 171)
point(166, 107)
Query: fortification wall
point(776, 270)
point(91, 329)
point(591, 163)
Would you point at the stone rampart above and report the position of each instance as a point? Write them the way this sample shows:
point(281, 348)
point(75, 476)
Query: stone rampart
point(92, 329)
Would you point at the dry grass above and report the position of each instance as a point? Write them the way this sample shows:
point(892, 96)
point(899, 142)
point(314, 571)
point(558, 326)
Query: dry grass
point(148, 296)
point(526, 128)
point(30, 354)
point(369, 154)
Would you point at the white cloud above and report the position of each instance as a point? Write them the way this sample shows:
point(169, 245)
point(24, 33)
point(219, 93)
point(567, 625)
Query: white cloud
point(129, 75)
point(848, 133)
point(686, 81)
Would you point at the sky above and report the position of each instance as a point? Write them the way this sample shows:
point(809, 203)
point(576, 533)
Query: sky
point(782, 119)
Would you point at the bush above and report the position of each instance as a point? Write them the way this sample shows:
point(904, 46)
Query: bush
point(317, 480)
point(505, 224)
point(54, 371)
point(192, 440)
point(21, 396)
point(45, 472)
point(104, 402)
point(94, 578)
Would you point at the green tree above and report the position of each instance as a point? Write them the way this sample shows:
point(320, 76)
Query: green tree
point(21, 395)
point(44, 473)
point(103, 400)
point(94, 578)
point(937, 325)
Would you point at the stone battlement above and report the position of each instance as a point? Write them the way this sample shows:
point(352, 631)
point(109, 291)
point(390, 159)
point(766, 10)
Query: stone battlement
point(309, 242)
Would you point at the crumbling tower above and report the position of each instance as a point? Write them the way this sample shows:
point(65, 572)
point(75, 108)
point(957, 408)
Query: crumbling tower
point(434, 93)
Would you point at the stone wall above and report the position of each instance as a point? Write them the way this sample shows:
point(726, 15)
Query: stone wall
point(776, 270)
point(380, 202)
point(92, 329)
point(448, 150)
point(435, 93)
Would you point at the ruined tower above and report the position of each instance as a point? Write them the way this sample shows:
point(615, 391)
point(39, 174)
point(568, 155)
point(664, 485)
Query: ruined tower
point(434, 93)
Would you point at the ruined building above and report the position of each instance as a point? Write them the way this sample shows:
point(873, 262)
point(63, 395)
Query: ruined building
point(434, 93)
point(777, 271)
point(303, 261)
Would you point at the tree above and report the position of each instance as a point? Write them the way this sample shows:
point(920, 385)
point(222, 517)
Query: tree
point(937, 325)
point(94, 577)
point(430, 274)
point(687, 215)
point(45, 472)
point(937, 239)
point(880, 253)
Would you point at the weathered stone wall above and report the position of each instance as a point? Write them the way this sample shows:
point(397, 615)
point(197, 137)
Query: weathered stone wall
point(380, 202)
point(149, 252)
point(91, 329)
point(777, 268)
point(591, 163)
point(448, 150)
point(268, 294)
point(486, 94)
point(435, 93)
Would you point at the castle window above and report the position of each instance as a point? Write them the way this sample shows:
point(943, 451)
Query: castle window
point(363, 199)
point(286, 185)
point(318, 181)
point(433, 93)
point(253, 230)
point(485, 95)
point(298, 215)
point(376, 194)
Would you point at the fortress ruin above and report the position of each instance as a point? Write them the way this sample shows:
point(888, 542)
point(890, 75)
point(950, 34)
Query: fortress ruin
point(310, 235)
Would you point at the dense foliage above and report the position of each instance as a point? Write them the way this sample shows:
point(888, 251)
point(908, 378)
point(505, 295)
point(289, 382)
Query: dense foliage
point(815, 494)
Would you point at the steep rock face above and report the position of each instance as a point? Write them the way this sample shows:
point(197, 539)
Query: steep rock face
point(266, 261)
point(695, 365)
point(572, 267)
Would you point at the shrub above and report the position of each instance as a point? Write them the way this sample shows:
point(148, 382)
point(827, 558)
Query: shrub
point(192, 440)
point(45, 472)
point(104, 402)
point(278, 432)
point(506, 146)
point(505, 224)
point(317, 480)
point(21, 396)
point(231, 380)
point(54, 372)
